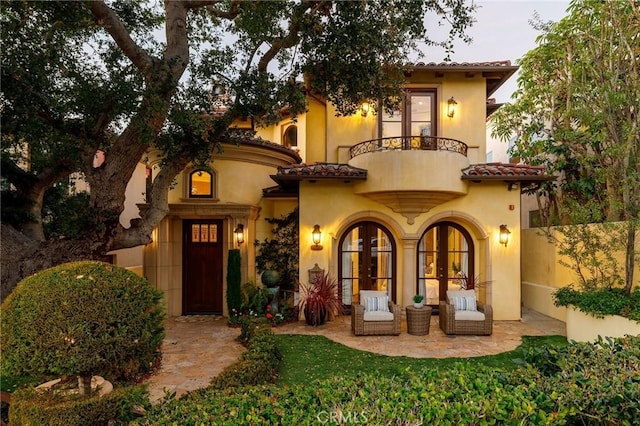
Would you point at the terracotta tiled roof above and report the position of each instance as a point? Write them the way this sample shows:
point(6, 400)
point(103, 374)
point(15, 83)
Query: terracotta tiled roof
point(495, 72)
point(312, 171)
point(486, 64)
point(505, 171)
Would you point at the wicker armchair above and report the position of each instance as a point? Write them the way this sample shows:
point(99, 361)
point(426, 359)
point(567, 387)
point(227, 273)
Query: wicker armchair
point(363, 326)
point(466, 322)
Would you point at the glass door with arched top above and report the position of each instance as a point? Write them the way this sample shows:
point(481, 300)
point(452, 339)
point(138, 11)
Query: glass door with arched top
point(445, 261)
point(366, 261)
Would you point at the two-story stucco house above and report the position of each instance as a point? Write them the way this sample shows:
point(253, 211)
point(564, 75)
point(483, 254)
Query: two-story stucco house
point(404, 201)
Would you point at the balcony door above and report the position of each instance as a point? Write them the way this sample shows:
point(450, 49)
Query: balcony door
point(415, 116)
point(367, 261)
point(445, 261)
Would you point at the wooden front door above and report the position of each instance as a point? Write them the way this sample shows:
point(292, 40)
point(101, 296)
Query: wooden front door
point(202, 267)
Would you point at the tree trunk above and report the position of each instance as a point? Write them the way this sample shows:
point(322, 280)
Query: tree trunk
point(630, 256)
point(22, 256)
point(84, 385)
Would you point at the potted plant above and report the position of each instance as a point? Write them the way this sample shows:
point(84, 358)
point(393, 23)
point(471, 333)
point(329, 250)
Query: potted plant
point(417, 301)
point(319, 300)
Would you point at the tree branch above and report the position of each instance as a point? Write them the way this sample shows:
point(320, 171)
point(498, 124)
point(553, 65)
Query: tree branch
point(108, 19)
point(231, 14)
point(157, 208)
point(177, 53)
point(289, 40)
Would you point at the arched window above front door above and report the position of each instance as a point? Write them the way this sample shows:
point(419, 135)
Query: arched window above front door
point(200, 184)
point(445, 261)
point(367, 260)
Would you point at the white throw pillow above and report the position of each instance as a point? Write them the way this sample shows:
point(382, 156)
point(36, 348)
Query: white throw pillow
point(464, 303)
point(376, 304)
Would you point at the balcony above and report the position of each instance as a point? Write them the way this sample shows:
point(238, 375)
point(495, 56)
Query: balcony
point(409, 143)
point(411, 174)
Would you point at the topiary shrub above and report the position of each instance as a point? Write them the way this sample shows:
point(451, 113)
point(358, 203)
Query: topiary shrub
point(234, 291)
point(81, 319)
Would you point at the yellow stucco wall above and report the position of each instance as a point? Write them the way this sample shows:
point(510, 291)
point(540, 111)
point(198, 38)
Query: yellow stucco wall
point(238, 182)
point(315, 132)
point(241, 175)
point(467, 125)
point(334, 207)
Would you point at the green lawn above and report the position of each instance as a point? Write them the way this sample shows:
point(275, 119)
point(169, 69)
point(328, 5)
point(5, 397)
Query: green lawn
point(307, 358)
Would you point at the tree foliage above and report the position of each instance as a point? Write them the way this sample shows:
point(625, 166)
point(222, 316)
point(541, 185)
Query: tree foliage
point(576, 111)
point(127, 78)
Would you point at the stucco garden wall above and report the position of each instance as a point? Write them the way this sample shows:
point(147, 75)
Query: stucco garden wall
point(542, 273)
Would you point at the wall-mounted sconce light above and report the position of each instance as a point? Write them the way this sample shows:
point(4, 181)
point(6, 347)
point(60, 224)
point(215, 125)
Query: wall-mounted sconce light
point(451, 107)
point(364, 109)
point(504, 235)
point(239, 233)
point(316, 236)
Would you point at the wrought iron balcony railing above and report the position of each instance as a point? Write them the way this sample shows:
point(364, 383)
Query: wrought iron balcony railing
point(409, 143)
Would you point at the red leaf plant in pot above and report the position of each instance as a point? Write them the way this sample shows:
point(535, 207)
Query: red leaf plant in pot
point(319, 300)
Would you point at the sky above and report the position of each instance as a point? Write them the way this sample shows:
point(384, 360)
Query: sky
point(502, 32)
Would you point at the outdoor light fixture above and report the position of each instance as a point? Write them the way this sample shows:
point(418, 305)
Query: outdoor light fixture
point(239, 233)
point(316, 236)
point(364, 109)
point(451, 107)
point(504, 235)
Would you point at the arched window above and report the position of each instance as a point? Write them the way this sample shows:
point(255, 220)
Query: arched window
point(367, 261)
point(200, 184)
point(290, 137)
point(445, 261)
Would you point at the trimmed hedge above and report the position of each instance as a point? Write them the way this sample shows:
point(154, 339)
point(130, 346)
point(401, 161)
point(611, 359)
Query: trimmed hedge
point(81, 318)
point(599, 382)
point(258, 364)
point(601, 302)
point(30, 407)
point(588, 385)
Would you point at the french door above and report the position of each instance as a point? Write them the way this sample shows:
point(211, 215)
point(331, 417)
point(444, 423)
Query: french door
point(445, 261)
point(366, 261)
point(415, 116)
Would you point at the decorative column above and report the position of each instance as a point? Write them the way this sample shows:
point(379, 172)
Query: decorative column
point(409, 278)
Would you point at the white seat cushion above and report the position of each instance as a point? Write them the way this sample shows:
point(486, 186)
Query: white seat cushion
point(378, 316)
point(468, 315)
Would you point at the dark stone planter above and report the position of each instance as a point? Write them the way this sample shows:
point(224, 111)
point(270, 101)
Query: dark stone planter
point(315, 317)
point(270, 278)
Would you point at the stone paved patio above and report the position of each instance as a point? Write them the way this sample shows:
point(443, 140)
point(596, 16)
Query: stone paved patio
point(198, 348)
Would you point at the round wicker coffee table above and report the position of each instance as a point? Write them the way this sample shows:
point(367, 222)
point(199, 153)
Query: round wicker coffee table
point(418, 320)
